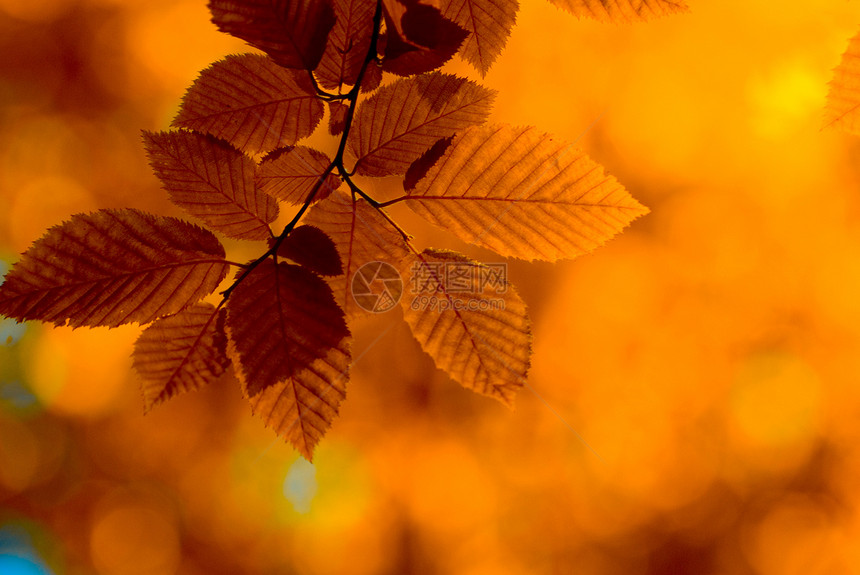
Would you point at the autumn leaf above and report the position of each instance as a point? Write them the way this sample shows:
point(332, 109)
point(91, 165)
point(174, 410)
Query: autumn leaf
point(419, 38)
point(470, 321)
point(404, 119)
point(337, 117)
point(213, 181)
point(843, 99)
point(290, 174)
point(312, 248)
point(490, 23)
point(347, 44)
point(292, 32)
point(113, 267)
point(361, 236)
point(252, 103)
point(289, 344)
point(621, 11)
point(523, 194)
point(181, 353)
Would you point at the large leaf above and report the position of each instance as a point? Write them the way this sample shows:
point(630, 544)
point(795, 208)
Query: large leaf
point(523, 194)
point(362, 236)
point(252, 103)
point(348, 43)
point(290, 174)
point(843, 99)
point(418, 37)
point(181, 353)
point(212, 180)
point(622, 10)
point(289, 343)
point(113, 267)
point(469, 320)
point(404, 119)
point(490, 23)
point(292, 32)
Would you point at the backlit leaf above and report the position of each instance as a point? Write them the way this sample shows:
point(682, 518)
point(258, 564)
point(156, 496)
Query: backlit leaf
point(312, 248)
point(469, 320)
point(212, 180)
point(292, 32)
point(490, 23)
point(419, 38)
point(290, 174)
point(181, 353)
point(337, 117)
point(523, 194)
point(843, 99)
point(362, 236)
point(404, 119)
point(113, 267)
point(622, 10)
point(252, 103)
point(289, 344)
point(348, 43)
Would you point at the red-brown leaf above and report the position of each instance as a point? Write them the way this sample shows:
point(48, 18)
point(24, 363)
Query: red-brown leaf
point(212, 180)
point(419, 38)
point(113, 267)
point(312, 248)
point(348, 43)
point(290, 174)
point(292, 32)
point(404, 119)
point(490, 23)
point(252, 103)
point(337, 117)
point(181, 353)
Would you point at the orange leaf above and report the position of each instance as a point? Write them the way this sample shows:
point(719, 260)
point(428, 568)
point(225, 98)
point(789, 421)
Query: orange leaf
point(292, 32)
point(252, 103)
point(622, 11)
point(404, 119)
point(523, 194)
point(470, 321)
point(181, 353)
point(312, 248)
point(212, 180)
point(290, 174)
point(348, 43)
point(843, 99)
point(337, 117)
point(490, 23)
point(419, 38)
point(362, 236)
point(289, 344)
point(113, 267)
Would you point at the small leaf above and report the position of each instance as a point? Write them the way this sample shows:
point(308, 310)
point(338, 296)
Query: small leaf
point(312, 248)
point(289, 344)
point(337, 117)
point(622, 11)
point(181, 353)
point(291, 173)
point(469, 320)
point(419, 38)
point(843, 99)
point(252, 103)
point(361, 236)
point(113, 267)
point(348, 43)
point(490, 23)
point(523, 194)
point(292, 32)
point(212, 180)
point(422, 165)
point(404, 119)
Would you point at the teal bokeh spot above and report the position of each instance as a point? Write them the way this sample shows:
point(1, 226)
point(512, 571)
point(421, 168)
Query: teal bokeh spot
point(15, 565)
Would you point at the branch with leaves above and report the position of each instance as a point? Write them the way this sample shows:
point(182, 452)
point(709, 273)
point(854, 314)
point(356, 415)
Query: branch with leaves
point(232, 162)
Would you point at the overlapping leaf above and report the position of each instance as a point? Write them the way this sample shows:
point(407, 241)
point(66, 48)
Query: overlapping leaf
point(113, 267)
point(337, 117)
point(404, 119)
point(290, 174)
point(181, 353)
point(252, 103)
point(311, 248)
point(469, 320)
point(289, 343)
point(523, 194)
point(212, 180)
point(362, 236)
point(843, 98)
point(419, 38)
point(348, 43)
point(621, 11)
point(292, 32)
point(490, 23)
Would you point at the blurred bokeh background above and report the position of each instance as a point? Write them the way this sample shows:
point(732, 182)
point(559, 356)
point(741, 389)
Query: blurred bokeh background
point(694, 398)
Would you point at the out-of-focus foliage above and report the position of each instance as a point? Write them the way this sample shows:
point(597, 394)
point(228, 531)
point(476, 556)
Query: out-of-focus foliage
point(709, 356)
